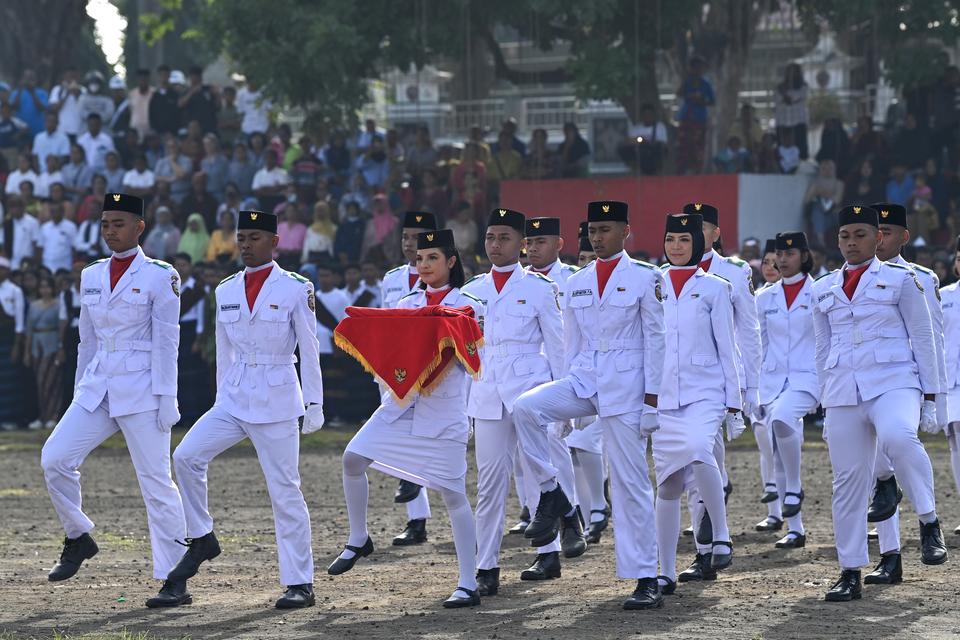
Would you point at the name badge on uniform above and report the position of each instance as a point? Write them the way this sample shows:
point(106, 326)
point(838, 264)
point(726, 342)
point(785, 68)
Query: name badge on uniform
point(621, 289)
point(823, 297)
point(394, 289)
point(91, 292)
point(229, 307)
point(521, 302)
point(581, 292)
point(274, 307)
point(769, 312)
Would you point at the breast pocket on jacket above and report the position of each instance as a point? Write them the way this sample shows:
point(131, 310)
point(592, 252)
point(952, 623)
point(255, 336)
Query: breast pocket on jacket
point(136, 305)
point(277, 319)
point(623, 304)
point(581, 302)
point(881, 294)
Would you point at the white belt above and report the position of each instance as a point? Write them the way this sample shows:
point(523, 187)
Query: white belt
point(856, 336)
point(109, 345)
point(504, 349)
point(253, 359)
point(615, 344)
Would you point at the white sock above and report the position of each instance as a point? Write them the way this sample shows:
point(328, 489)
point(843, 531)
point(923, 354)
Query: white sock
point(711, 492)
point(720, 453)
point(789, 445)
point(955, 454)
point(668, 534)
point(927, 518)
point(588, 470)
point(355, 491)
point(464, 538)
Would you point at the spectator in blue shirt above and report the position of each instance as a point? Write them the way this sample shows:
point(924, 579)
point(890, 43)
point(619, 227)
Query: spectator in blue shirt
point(900, 187)
point(696, 95)
point(349, 237)
point(30, 102)
point(13, 134)
point(374, 165)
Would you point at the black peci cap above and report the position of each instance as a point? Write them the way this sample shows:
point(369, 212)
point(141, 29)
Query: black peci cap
point(770, 246)
point(858, 214)
point(438, 239)
point(586, 245)
point(257, 220)
point(584, 230)
point(891, 213)
point(419, 220)
point(123, 202)
point(792, 240)
point(543, 227)
point(708, 211)
point(608, 211)
point(508, 217)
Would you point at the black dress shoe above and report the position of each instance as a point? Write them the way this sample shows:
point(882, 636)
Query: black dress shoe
point(699, 569)
point(888, 571)
point(727, 491)
point(771, 523)
point(790, 510)
point(415, 533)
point(932, 548)
point(873, 535)
point(342, 565)
point(720, 561)
point(488, 581)
point(297, 596)
point(688, 532)
point(406, 492)
point(669, 587)
point(595, 529)
point(546, 522)
point(792, 540)
point(572, 540)
point(646, 596)
point(456, 602)
point(206, 547)
point(522, 525)
point(705, 530)
point(886, 498)
point(75, 551)
point(173, 593)
point(545, 567)
point(847, 588)
point(769, 493)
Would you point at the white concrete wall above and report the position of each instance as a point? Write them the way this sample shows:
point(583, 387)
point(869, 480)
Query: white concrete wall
point(769, 204)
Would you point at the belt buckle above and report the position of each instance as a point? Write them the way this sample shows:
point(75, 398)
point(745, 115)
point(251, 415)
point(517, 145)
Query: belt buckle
point(857, 337)
point(604, 345)
point(502, 350)
point(252, 359)
point(110, 346)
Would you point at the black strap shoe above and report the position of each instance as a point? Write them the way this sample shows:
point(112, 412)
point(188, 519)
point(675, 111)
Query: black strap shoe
point(342, 565)
point(688, 532)
point(522, 525)
point(596, 529)
point(847, 588)
point(572, 540)
point(406, 492)
point(199, 550)
point(173, 593)
point(705, 530)
point(458, 602)
point(545, 567)
point(488, 581)
point(727, 491)
point(646, 596)
point(546, 522)
point(415, 533)
point(722, 560)
point(886, 499)
point(793, 540)
point(888, 571)
point(770, 523)
point(699, 569)
point(769, 493)
point(297, 596)
point(790, 510)
point(873, 535)
point(667, 586)
point(75, 551)
point(932, 548)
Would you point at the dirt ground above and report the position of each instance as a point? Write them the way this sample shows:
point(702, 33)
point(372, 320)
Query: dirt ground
point(396, 593)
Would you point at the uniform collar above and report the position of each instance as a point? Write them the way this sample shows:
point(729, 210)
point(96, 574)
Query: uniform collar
point(612, 258)
point(260, 268)
point(126, 254)
point(507, 269)
point(794, 279)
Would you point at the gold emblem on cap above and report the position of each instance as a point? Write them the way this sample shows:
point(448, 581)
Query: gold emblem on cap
point(536, 224)
point(697, 206)
point(884, 213)
point(684, 221)
point(856, 209)
point(503, 212)
point(789, 242)
point(253, 216)
point(429, 237)
point(116, 197)
point(418, 218)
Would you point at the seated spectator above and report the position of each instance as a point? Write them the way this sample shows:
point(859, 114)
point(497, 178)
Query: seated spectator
point(194, 239)
point(733, 158)
point(223, 241)
point(349, 237)
point(305, 170)
point(573, 153)
point(768, 160)
point(381, 241)
point(865, 185)
point(318, 243)
point(140, 181)
point(292, 234)
point(422, 155)
point(96, 143)
point(92, 200)
point(228, 118)
point(175, 169)
point(162, 199)
point(163, 241)
point(24, 171)
point(270, 183)
point(128, 147)
point(788, 153)
point(396, 153)
point(258, 150)
point(470, 165)
point(89, 245)
point(645, 148)
point(50, 142)
point(359, 194)
point(748, 129)
point(241, 169)
point(114, 173)
point(14, 134)
point(540, 161)
point(50, 176)
point(367, 135)
point(199, 200)
point(231, 202)
point(505, 164)
point(868, 143)
point(336, 156)
point(373, 165)
point(215, 166)
point(464, 228)
point(30, 203)
point(509, 127)
point(901, 184)
point(922, 218)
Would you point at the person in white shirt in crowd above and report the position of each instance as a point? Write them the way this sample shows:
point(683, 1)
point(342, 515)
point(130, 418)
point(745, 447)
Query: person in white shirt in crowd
point(331, 308)
point(50, 141)
point(65, 100)
point(89, 243)
point(139, 180)
point(370, 278)
point(270, 182)
point(645, 148)
point(56, 241)
point(96, 100)
point(139, 99)
point(12, 342)
point(357, 294)
point(96, 143)
point(52, 175)
point(255, 108)
point(113, 172)
point(366, 136)
point(19, 234)
point(77, 174)
point(23, 173)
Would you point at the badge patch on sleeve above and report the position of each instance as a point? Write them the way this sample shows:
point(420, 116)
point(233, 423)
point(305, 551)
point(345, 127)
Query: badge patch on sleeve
point(175, 285)
point(917, 282)
point(311, 302)
point(753, 291)
point(658, 291)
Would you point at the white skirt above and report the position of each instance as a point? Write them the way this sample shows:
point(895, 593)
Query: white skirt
point(435, 463)
point(589, 438)
point(686, 435)
point(953, 405)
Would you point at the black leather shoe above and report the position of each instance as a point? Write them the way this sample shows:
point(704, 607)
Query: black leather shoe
point(705, 530)
point(341, 565)
point(646, 596)
point(790, 510)
point(545, 567)
point(669, 587)
point(522, 525)
point(415, 533)
point(770, 523)
point(297, 596)
point(546, 523)
point(456, 602)
point(720, 561)
point(847, 588)
point(75, 551)
point(595, 529)
point(932, 548)
point(173, 593)
point(688, 532)
point(699, 569)
point(873, 535)
point(488, 581)
point(727, 491)
point(406, 492)
point(792, 540)
point(769, 493)
point(199, 550)
point(886, 499)
point(572, 540)
point(888, 571)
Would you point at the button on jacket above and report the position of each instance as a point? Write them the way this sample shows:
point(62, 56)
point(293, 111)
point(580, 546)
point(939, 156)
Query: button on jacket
point(789, 341)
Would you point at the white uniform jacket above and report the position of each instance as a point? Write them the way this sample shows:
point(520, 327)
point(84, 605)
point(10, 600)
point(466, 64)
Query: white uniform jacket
point(395, 285)
point(256, 377)
point(878, 341)
point(700, 343)
point(614, 343)
point(951, 333)
point(128, 337)
point(559, 272)
point(789, 341)
point(442, 413)
point(931, 290)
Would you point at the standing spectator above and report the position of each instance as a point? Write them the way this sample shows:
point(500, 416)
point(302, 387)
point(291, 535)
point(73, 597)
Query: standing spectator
point(29, 102)
point(865, 185)
point(175, 169)
point(292, 234)
point(470, 166)
point(12, 319)
point(140, 181)
point(477, 135)
point(214, 166)
point(199, 200)
point(20, 234)
point(229, 118)
point(318, 243)
point(195, 239)
point(835, 145)
point(422, 155)
point(790, 108)
point(96, 100)
point(367, 135)
point(305, 169)
point(50, 141)
point(14, 134)
point(509, 127)
point(96, 143)
point(396, 154)
point(912, 144)
point(946, 116)
point(270, 183)
point(56, 241)
point(164, 239)
point(199, 102)
point(901, 185)
point(241, 169)
point(505, 164)
point(43, 345)
point(768, 161)
point(24, 172)
point(162, 198)
point(92, 202)
point(223, 241)
point(349, 238)
point(573, 153)
point(464, 228)
point(373, 164)
point(65, 100)
point(119, 124)
point(140, 104)
point(255, 107)
point(645, 148)
point(748, 129)
point(113, 172)
point(89, 244)
point(163, 112)
point(28, 198)
point(822, 200)
point(696, 96)
point(381, 238)
point(193, 394)
point(370, 273)
point(922, 219)
point(733, 158)
point(788, 153)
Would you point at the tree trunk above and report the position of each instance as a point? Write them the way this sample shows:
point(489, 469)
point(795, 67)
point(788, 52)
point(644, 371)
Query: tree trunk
point(41, 35)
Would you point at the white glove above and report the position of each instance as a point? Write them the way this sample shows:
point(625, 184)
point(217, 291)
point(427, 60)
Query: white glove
point(313, 419)
point(563, 428)
point(751, 403)
point(649, 423)
point(928, 417)
point(734, 424)
point(168, 414)
point(942, 411)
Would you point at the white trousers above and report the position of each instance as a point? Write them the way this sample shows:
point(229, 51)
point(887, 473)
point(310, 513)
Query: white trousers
point(631, 492)
point(419, 507)
point(278, 450)
point(853, 435)
point(80, 432)
point(561, 459)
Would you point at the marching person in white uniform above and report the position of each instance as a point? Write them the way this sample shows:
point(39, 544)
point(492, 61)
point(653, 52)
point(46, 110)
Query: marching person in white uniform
point(425, 441)
point(264, 314)
point(887, 494)
point(126, 380)
point(877, 368)
point(698, 316)
point(789, 388)
point(613, 332)
point(396, 284)
point(951, 345)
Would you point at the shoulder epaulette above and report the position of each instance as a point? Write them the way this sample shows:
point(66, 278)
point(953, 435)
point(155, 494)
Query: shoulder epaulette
point(645, 265)
point(395, 269)
point(476, 277)
point(897, 266)
point(297, 277)
point(159, 263)
point(664, 267)
point(97, 262)
point(825, 275)
point(541, 276)
point(716, 275)
point(569, 267)
point(922, 269)
point(230, 277)
point(472, 297)
point(412, 293)
point(736, 261)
